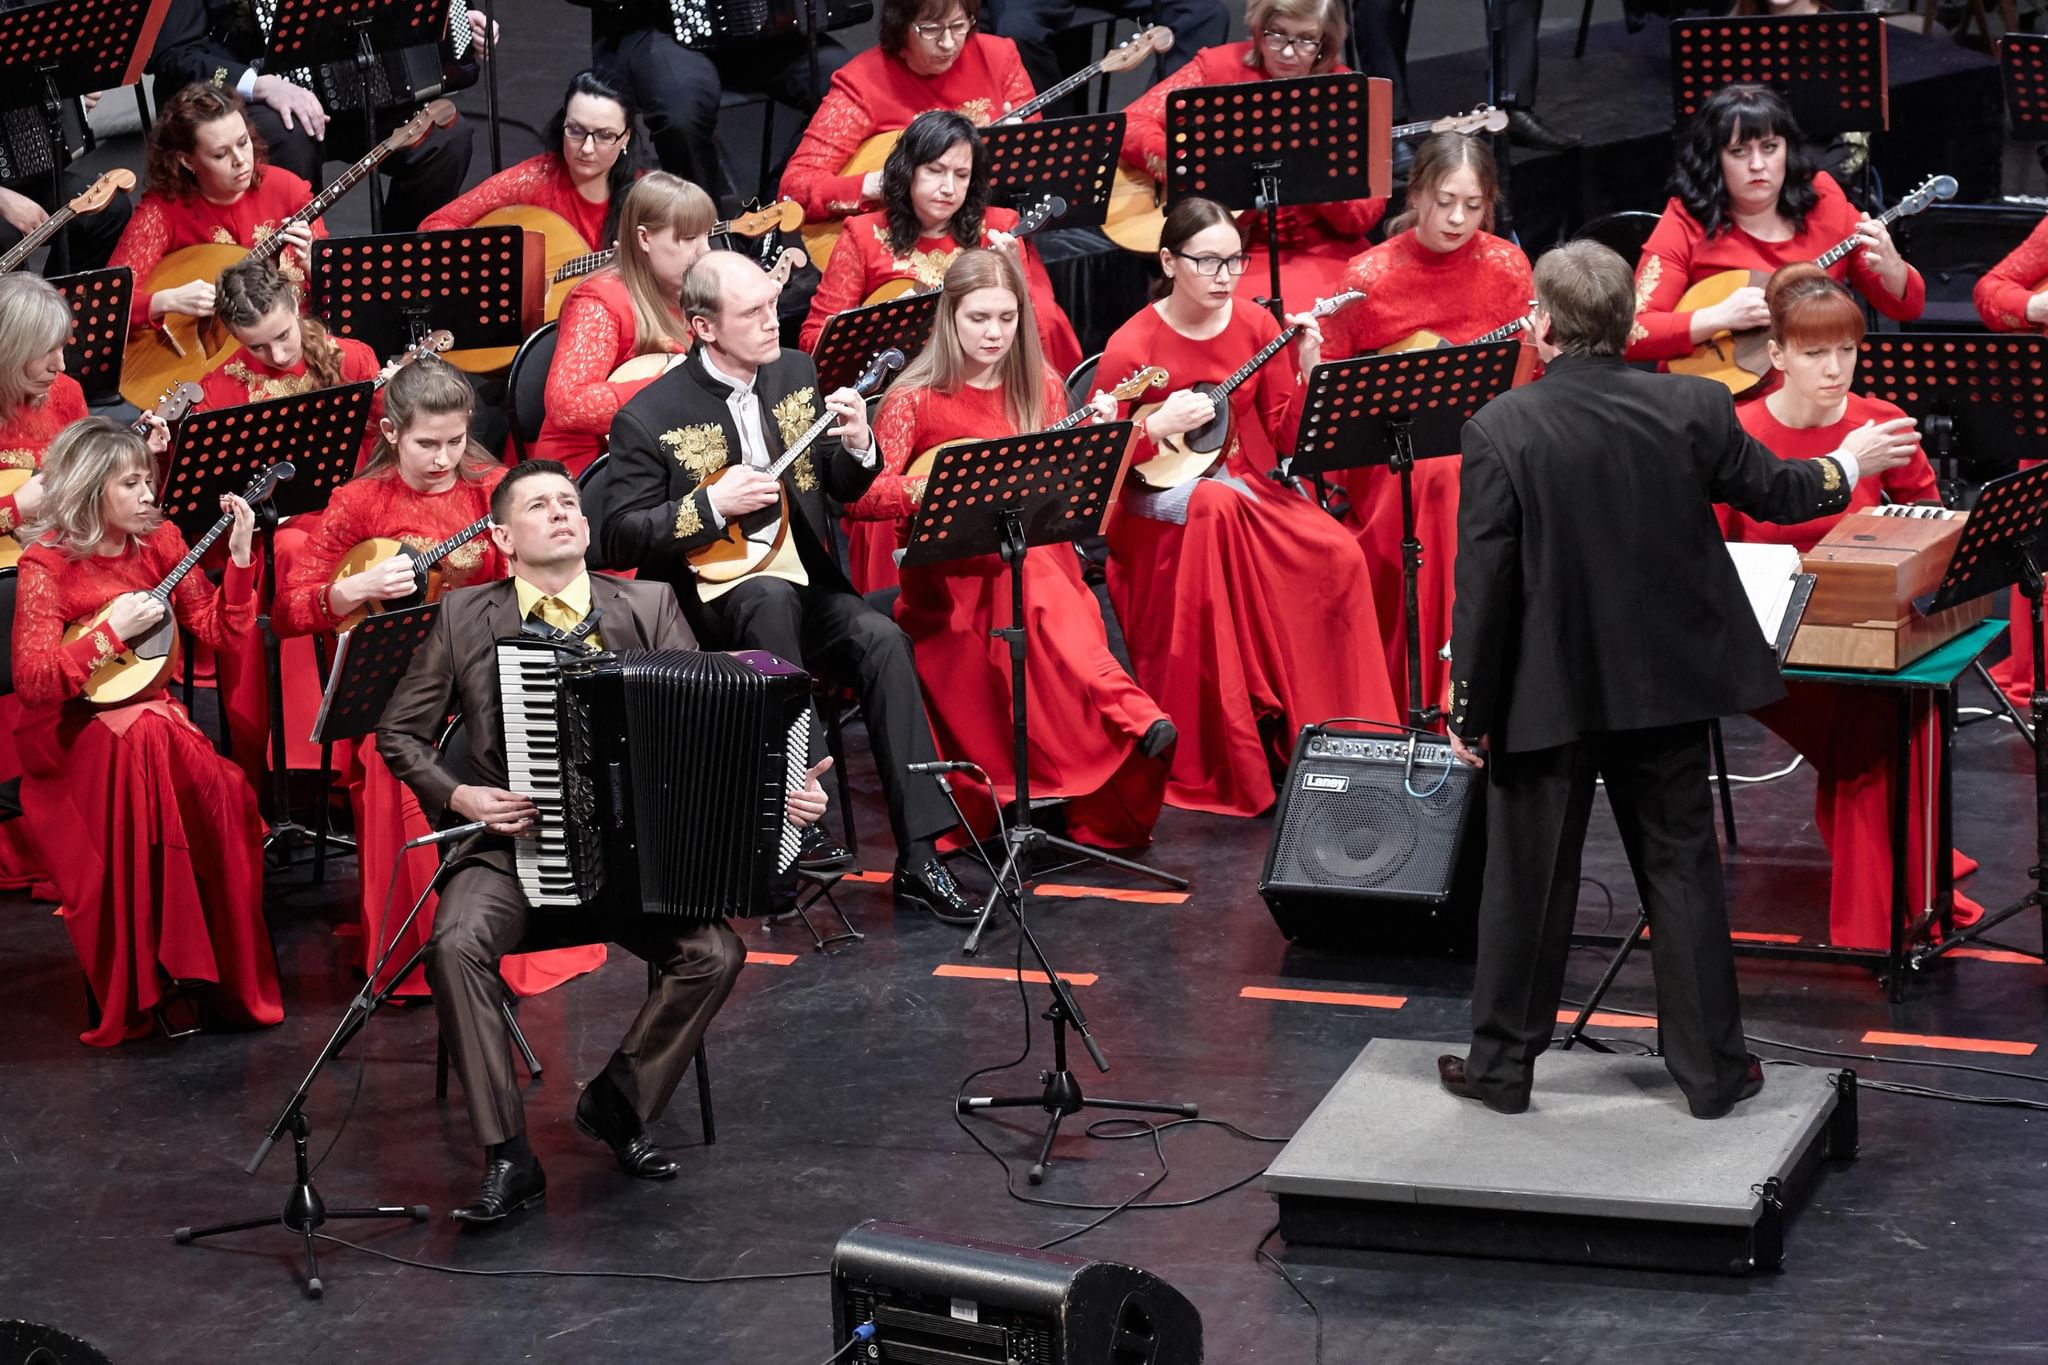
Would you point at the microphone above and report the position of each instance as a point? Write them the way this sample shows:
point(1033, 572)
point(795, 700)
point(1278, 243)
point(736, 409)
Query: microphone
point(944, 765)
point(444, 835)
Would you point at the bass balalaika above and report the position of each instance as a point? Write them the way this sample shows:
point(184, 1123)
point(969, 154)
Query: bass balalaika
point(660, 777)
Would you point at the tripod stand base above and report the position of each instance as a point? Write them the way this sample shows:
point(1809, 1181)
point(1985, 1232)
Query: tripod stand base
point(1062, 1096)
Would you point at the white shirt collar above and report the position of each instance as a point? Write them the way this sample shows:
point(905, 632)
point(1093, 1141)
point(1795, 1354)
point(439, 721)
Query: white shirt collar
point(737, 386)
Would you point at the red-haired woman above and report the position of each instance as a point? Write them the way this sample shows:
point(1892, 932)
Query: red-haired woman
point(1846, 732)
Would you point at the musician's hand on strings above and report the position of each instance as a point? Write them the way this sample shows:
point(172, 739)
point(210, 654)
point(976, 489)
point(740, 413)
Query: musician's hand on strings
point(1879, 446)
point(483, 34)
point(807, 806)
point(20, 212)
point(395, 577)
point(742, 491)
point(1104, 403)
point(1183, 411)
point(852, 411)
point(156, 433)
point(1466, 754)
point(1881, 254)
point(1741, 311)
point(1308, 347)
point(299, 236)
point(871, 188)
point(194, 300)
point(28, 499)
point(501, 811)
point(243, 534)
point(296, 105)
point(1006, 243)
point(134, 615)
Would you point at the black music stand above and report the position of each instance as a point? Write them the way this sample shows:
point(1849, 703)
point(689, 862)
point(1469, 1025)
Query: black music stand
point(1074, 158)
point(1261, 144)
point(368, 662)
point(219, 451)
point(388, 291)
point(1829, 67)
point(851, 340)
point(2005, 544)
point(2023, 66)
point(1393, 410)
point(1002, 497)
point(93, 356)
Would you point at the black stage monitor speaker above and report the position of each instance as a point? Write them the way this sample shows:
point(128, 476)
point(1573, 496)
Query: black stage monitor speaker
point(936, 1299)
point(1378, 840)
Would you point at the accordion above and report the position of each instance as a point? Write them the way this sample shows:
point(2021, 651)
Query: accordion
point(710, 24)
point(660, 777)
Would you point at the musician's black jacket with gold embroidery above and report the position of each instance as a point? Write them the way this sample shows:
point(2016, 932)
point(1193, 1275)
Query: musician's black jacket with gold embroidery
point(1593, 589)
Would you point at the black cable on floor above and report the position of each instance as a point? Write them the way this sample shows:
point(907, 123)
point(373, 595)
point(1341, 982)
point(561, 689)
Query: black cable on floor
point(1259, 1253)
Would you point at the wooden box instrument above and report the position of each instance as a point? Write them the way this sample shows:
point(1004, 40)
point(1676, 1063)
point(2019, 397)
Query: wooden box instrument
point(1867, 572)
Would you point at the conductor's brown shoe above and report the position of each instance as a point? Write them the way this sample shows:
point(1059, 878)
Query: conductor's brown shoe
point(1450, 1073)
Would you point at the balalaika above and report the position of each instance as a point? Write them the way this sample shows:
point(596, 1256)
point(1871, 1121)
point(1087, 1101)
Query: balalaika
point(660, 777)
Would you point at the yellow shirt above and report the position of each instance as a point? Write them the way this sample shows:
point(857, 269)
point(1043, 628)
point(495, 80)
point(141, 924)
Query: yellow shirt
point(563, 611)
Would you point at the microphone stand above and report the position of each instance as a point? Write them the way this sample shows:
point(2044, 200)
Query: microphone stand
point(304, 1210)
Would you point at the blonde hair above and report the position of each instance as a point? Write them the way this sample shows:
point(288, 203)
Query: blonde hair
point(426, 387)
point(1327, 15)
point(34, 320)
point(77, 467)
point(658, 202)
point(942, 366)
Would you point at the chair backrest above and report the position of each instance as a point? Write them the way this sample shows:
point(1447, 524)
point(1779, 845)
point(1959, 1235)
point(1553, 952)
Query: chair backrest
point(1081, 383)
point(7, 584)
point(526, 383)
point(590, 491)
point(1625, 231)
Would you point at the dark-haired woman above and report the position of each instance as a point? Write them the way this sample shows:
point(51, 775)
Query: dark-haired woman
point(1248, 611)
point(1848, 733)
point(928, 56)
point(580, 176)
point(1441, 270)
point(208, 183)
point(1747, 197)
point(1095, 736)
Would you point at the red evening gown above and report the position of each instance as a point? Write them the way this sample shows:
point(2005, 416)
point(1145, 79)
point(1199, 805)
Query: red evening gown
point(599, 332)
point(1247, 609)
point(162, 875)
point(1848, 733)
point(1086, 715)
point(2002, 297)
point(165, 223)
point(387, 815)
point(1459, 295)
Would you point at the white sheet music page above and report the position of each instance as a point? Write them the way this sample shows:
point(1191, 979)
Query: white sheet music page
point(1766, 572)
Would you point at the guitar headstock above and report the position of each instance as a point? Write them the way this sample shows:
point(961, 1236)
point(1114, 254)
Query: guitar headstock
point(101, 192)
point(1935, 188)
point(1037, 215)
point(1344, 299)
point(263, 485)
point(1141, 380)
point(1158, 38)
point(788, 263)
point(884, 363)
point(1484, 119)
point(178, 400)
point(433, 343)
point(785, 215)
point(438, 114)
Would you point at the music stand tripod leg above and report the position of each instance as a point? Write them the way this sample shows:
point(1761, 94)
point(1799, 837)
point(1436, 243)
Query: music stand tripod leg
point(1577, 1032)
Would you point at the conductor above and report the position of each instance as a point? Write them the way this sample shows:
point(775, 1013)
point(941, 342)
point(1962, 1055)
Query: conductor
point(1599, 626)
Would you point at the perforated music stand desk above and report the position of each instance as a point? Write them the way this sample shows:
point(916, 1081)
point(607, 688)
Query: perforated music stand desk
point(98, 344)
point(2023, 68)
point(368, 663)
point(1976, 395)
point(1831, 68)
point(487, 285)
point(1074, 158)
point(853, 338)
point(220, 450)
point(1263, 144)
point(61, 49)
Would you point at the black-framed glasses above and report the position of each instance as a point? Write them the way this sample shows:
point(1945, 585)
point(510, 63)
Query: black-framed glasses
point(1280, 43)
point(1209, 266)
point(957, 30)
point(577, 134)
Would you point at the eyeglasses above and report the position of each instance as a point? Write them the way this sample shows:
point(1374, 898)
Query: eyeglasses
point(1279, 44)
point(957, 30)
point(603, 137)
point(1209, 266)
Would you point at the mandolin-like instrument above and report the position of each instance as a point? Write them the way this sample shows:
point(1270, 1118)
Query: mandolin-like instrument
point(178, 347)
point(178, 400)
point(1137, 206)
point(427, 582)
point(1030, 220)
point(149, 660)
point(654, 364)
point(870, 155)
point(759, 541)
point(1192, 454)
point(1142, 380)
point(1741, 360)
point(95, 197)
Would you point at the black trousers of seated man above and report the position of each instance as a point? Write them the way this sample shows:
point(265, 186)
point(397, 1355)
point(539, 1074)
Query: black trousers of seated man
point(483, 915)
point(417, 180)
point(837, 634)
point(1537, 807)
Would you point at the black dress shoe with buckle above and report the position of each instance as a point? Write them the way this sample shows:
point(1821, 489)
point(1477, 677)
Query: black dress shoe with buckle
point(603, 1113)
point(820, 852)
point(1752, 1083)
point(508, 1187)
point(1450, 1074)
point(1526, 130)
point(930, 886)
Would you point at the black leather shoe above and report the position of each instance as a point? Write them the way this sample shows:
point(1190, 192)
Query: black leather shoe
point(930, 886)
point(1160, 737)
point(1526, 130)
point(1450, 1074)
point(1752, 1083)
point(507, 1189)
point(820, 852)
point(603, 1113)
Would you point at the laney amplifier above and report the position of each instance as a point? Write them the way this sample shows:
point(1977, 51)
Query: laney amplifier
point(1378, 837)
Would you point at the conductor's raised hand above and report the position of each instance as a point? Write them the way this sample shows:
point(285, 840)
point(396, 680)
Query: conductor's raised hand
point(742, 491)
point(806, 806)
point(501, 811)
point(852, 411)
point(1879, 446)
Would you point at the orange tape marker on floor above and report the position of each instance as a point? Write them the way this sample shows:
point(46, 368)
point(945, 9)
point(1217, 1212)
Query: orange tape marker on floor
point(1356, 998)
point(1112, 893)
point(1763, 938)
point(1005, 974)
point(1602, 1019)
point(1997, 1045)
point(867, 877)
point(770, 959)
point(1995, 955)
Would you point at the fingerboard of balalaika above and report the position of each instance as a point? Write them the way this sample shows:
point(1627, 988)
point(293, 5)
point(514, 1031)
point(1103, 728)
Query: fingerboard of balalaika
point(527, 690)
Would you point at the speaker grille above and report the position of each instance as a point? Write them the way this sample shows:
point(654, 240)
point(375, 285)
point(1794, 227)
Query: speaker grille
point(1350, 825)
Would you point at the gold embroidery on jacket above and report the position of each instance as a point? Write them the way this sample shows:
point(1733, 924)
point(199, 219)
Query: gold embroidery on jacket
point(688, 523)
point(795, 413)
point(699, 449)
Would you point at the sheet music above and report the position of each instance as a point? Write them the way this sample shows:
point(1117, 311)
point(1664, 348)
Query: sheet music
point(1767, 574)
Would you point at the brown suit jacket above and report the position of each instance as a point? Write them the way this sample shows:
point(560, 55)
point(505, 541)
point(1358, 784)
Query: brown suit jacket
point(456, 670)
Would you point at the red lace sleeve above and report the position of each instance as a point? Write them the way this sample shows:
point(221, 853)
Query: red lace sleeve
point(1661, 332)
point(580, 397)
point(214, 615)
point(843, 285)
point(1017, 87)
point(1345, 331)
point(834, 133)
point(46, 670)
point(892, 497)
point(2003, 294)
point(302, 606)
point(521, 184)
point(141, 248)
point(1279, 398)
